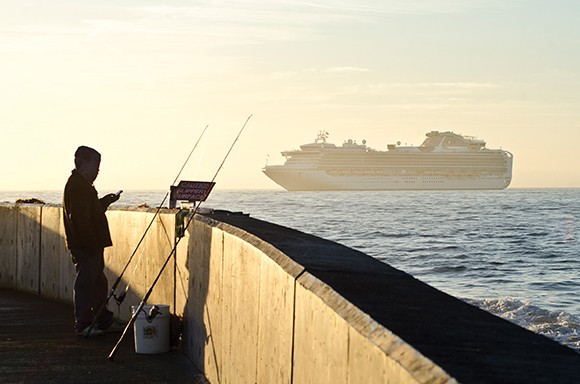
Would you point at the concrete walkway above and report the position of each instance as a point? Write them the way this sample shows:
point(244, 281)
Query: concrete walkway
point(38, 345)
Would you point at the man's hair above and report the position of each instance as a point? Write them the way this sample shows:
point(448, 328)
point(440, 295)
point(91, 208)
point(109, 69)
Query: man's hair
point(84, 154)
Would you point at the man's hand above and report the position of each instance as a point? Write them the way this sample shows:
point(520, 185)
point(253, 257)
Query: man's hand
point(109, 199)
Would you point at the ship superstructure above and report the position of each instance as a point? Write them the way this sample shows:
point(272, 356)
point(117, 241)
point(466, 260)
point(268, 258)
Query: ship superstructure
point(445, 160)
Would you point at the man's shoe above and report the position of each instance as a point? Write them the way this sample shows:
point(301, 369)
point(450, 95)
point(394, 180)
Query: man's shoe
point(93, 332)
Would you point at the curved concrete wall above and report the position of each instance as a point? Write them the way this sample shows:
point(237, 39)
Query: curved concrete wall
point(267, 320)
point(34, 258)
point(265, 304)
point(251, 314)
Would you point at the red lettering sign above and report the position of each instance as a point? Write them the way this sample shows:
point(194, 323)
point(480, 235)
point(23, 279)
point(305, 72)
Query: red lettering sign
point(193, 190)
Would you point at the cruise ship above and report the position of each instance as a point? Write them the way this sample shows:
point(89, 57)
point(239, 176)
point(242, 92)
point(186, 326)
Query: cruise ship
point(445, 160)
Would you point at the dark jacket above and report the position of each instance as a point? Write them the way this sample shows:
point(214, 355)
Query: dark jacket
point(85, 223)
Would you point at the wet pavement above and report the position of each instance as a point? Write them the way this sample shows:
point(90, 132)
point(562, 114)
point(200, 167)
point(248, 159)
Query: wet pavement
point(38, 345)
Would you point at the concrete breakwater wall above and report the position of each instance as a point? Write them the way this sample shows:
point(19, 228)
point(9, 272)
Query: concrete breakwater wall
point(34, 258)
point(251, 314)
point(265, 304)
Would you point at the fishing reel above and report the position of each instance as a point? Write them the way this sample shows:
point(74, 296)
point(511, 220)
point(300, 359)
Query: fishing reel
point(119, 299)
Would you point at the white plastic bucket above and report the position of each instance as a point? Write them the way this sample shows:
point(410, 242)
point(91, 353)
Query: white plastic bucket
point(151, 334)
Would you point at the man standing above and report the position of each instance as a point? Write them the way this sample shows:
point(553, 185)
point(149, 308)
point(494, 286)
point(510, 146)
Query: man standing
point(87, 235)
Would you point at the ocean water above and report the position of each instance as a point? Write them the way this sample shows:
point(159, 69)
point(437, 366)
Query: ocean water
point(514, 252)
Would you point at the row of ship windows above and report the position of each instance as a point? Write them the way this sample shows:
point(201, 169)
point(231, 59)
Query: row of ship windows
point(405, 165)
point(410, 180)
point(337, 163)
point(392, 159)
point(469, 174)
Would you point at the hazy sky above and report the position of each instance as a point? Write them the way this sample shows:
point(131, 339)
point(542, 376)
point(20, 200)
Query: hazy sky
point(138, 80)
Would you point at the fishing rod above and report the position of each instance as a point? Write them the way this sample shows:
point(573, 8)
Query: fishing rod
point(136, 312)
point(122, 296)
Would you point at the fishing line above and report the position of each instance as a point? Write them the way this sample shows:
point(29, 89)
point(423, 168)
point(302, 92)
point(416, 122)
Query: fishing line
point(202, 151)
point(123, 294)
point(119, 299)
point(111, 356)
point(202, 148)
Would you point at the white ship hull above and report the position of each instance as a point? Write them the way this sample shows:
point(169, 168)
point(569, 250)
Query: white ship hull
point(316, 180)
point(444, 161)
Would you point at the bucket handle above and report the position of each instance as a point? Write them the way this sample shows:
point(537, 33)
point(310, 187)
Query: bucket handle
point(153, 312)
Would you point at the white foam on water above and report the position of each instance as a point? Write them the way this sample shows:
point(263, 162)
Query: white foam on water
point(560, 326)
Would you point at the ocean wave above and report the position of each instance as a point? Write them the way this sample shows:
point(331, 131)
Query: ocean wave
point(560, 326)
point(449, 269)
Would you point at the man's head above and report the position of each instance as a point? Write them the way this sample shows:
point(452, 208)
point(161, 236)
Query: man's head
point(87, 162)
